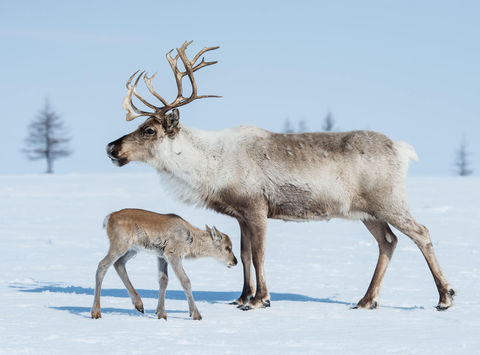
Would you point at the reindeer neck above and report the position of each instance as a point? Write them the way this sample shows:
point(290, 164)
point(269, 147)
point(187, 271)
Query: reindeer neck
point(189, 161)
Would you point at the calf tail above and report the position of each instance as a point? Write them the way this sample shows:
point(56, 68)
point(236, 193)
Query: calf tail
point(105, 221)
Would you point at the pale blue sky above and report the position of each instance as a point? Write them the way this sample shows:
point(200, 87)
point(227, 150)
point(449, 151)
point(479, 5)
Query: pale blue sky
point(410, 69)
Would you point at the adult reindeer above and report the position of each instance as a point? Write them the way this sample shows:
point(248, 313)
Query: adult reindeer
point(252, 174)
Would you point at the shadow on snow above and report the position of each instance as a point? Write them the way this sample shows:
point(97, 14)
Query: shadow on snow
point(85, 311)
point(205, 296)
point(202, 296)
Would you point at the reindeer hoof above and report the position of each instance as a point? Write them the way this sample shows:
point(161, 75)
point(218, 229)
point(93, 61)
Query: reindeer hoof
point(241, 301)
point(442, 306)
point(366, 305)
point(96, 315)
point(140, 308)
point(252, 305)
point(162, 315)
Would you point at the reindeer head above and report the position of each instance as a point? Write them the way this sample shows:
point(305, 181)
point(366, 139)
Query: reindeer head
point(140, 144)
point(222, 246)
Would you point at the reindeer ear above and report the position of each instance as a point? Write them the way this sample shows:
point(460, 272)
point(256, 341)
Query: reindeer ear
point(215, 234)
point(176, 114)
point(170, 122)
point(207, 228)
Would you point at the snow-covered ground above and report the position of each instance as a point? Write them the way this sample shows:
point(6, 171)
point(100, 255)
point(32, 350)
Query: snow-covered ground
point(52, 240)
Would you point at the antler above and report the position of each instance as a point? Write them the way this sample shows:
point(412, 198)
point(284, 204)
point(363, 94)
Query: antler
point(190, 67)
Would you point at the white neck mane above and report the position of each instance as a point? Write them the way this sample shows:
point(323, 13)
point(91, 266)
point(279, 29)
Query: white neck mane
point(192, 163)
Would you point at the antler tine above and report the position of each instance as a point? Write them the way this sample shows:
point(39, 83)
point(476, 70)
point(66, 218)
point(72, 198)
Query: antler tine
point(127, 104)
point(189, 70)
point(202, 64)
point(190, 67)
point(205, 96)
point(131, 78)
point(177, 73)
point(148, 82)
point(141, 98)
point(199, 54)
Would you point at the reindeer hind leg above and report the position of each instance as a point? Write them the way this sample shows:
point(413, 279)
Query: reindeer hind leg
point(387, 242)
point(420, 235)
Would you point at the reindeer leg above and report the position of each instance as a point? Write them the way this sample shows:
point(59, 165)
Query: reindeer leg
point(177, 267)
point(420, 235)
point(102, 269)
point(257, 229)
point(163, 281)
point(122, 272)
point(246, 255)
point(386, 244)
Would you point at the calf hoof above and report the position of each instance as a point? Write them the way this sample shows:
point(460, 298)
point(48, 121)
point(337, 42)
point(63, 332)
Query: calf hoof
point(196, 315)
point(139, 307)
point(96, 314)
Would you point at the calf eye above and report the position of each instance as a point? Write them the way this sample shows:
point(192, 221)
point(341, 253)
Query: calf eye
point(149, 131)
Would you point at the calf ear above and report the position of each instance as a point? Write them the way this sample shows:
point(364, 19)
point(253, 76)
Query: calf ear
point(215, 234)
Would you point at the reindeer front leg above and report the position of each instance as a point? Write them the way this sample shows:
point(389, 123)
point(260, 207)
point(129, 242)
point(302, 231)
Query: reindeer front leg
point(248, 290)
point(257, 230)
point(176, 263)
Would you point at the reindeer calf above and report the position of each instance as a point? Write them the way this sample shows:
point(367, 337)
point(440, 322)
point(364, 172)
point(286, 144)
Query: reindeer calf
point(171, 238)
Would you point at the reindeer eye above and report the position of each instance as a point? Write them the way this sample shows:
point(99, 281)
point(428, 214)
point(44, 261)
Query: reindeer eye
point(149, 131)
point(228, 249)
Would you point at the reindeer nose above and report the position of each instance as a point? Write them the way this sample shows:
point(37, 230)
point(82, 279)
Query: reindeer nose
point(110, 148)
point(235, 262)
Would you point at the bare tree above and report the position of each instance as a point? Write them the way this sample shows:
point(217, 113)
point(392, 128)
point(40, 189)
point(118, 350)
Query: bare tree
point(328, 122)
point(47, 138)
point(287, 126)
point(461, 160)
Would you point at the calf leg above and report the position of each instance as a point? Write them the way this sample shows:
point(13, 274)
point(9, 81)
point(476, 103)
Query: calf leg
point(177, 267)
point(122, 272)
point(163, 281)
point(103, 266)
point(386, 243)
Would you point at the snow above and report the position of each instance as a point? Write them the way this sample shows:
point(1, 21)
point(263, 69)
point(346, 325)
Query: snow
point(52, 240)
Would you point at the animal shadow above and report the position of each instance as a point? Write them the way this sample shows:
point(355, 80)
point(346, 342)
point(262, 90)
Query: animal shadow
point(201, 296)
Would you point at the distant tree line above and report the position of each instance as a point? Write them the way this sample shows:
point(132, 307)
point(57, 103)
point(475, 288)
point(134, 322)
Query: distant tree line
point(49, 140)
point(327, 125)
